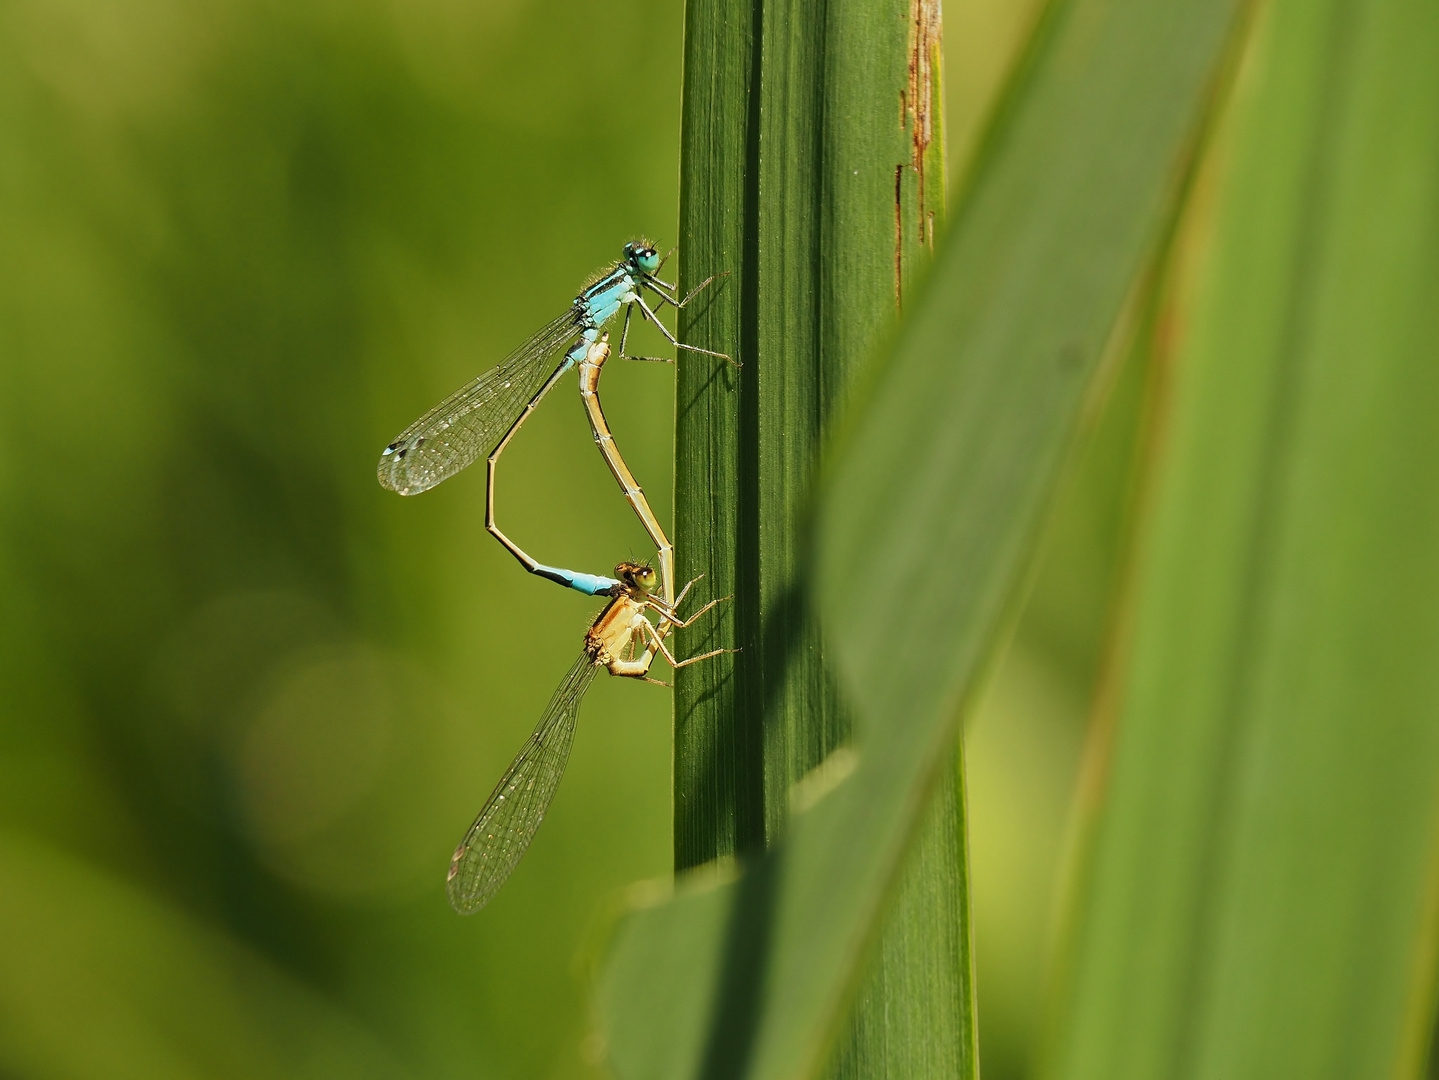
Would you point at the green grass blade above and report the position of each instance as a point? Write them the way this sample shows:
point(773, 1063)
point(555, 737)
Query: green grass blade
point(807, 183)
point(934, 504)
point(832, 208)
point(1259, 897)
point(719, 772)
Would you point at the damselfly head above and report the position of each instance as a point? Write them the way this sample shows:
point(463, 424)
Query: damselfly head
point(637, 575)
point(643, 256)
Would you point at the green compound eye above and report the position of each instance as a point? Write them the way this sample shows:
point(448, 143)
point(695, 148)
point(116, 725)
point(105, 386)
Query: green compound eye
point(642, 257)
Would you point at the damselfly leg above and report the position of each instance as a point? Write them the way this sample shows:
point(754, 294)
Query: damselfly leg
point(653, 284)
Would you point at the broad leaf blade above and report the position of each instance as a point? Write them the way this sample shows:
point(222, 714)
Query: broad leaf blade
point(1259, 900)
point(796, 178)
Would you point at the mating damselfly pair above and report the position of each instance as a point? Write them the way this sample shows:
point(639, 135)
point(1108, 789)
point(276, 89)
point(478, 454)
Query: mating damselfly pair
point(480, 419)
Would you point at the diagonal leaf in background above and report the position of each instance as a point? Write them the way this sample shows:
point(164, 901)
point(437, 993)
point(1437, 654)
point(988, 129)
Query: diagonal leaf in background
point(1259, 899)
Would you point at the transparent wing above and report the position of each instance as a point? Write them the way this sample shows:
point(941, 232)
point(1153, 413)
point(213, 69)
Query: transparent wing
point(507, 823)
point(468, 423)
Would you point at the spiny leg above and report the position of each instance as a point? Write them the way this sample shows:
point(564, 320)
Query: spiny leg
point(654, 283)
point(673, 340)
point(638, 669)
point(658, 643)
point(685, 591)
point(624, 338)
point(658, 287)
point(672, 617)
point(667, 608)
point(701, 656)
point(625, 332)
point(670, 611)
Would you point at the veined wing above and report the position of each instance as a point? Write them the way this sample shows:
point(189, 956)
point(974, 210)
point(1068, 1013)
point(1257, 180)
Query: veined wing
point(468, 423)
point(507, 823)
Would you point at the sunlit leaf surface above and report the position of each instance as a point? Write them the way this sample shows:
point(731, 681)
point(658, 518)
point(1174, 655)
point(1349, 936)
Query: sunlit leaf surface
point(1258, 900)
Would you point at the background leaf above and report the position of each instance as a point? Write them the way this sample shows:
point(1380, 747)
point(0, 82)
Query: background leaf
point(1259, 896)
point(107, 982)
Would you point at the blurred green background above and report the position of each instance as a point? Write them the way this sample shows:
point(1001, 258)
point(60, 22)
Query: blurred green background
point(248, 699)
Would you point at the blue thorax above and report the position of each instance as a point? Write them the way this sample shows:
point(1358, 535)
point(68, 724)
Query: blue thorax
point(600, 303)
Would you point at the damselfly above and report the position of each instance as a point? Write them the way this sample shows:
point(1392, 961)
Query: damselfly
point(484, 415)
point(507, 823)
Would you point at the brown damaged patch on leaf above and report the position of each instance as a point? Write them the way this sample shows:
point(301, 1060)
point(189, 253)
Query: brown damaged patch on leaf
point(918, 102)
point(898, 233)
point(924, 53)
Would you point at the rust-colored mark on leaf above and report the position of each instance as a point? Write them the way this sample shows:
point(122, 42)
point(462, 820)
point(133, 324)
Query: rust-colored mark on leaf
point(898, 235)
point(924, 50)
point(918, 100)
